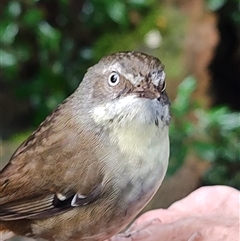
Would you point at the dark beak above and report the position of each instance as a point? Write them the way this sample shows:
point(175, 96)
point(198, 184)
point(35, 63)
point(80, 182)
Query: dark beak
point(148, 90)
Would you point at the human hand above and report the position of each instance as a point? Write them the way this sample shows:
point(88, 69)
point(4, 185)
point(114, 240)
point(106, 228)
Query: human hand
point(207, 214)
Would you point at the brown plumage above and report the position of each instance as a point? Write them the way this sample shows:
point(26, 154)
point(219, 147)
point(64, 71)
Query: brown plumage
point(95, 162)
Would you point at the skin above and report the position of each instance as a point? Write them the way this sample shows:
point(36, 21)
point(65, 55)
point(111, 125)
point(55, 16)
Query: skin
point(208, 214)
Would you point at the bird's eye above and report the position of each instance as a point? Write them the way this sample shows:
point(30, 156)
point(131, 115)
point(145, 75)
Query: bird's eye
point(113, 79)
point(163, 86)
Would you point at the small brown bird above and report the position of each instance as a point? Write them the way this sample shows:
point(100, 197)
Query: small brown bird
point(96, 161)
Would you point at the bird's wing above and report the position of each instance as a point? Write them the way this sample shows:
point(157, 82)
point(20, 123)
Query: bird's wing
point(46, 206)
point(49, 173)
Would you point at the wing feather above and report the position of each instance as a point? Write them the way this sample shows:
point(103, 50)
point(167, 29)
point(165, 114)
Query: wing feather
point(43, 175)
point(47, 206)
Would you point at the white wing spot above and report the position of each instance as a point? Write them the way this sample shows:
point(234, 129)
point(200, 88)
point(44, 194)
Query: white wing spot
point(76, 196)
point(61, 197)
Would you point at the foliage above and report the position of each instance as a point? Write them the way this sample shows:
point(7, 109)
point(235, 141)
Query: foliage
point(181, 128)
point(214, 135)
point(46, 46)
point(232, 5)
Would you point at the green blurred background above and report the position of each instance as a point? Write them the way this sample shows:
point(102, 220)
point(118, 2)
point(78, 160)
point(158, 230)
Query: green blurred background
point(46, 47)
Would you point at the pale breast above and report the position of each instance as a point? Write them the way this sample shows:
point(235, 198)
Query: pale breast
point(146, 153)
point(138, 172)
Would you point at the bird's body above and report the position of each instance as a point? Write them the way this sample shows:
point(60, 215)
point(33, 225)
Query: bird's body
point(96, 161)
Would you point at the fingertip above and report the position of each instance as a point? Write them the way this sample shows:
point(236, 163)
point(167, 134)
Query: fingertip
point(159, 214)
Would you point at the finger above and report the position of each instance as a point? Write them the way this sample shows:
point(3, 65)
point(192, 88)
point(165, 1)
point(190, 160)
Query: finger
point(157, 231)
point(166, 216)
point(208, 200)
point(195, 237)
point(138, 235)
point(139, 225)
point(143, 232)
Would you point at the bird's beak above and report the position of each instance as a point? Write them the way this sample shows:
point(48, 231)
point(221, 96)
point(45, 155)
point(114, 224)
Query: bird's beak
point(148, 91)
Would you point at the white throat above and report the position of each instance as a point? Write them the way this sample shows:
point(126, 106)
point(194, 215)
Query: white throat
point(133, 128)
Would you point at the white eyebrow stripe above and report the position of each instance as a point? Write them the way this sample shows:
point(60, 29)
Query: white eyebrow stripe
point(118, 68)
point(137, 78)
point(115, 67)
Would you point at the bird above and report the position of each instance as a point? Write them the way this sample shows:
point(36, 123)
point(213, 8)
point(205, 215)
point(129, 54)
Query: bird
point(94, 163)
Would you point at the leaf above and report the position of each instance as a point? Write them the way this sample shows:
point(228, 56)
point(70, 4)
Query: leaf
point(49, 37)
point(14, 9)
point(214, 5)
point(7, 59)
point(32, 17)
point(117, 12)
point(8, 33)
point(182, 102)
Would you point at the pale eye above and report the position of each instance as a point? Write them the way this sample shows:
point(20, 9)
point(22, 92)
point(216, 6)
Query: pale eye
point(113, 79)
